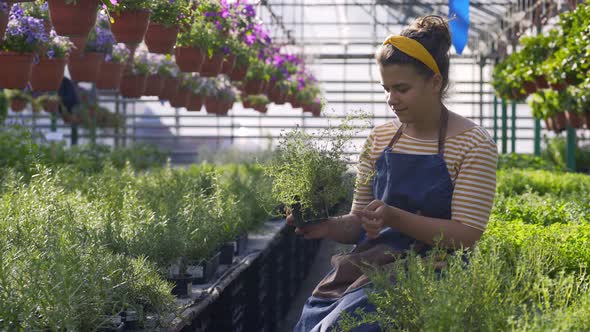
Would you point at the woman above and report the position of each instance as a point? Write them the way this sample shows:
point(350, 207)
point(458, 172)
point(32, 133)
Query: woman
point(427, 176)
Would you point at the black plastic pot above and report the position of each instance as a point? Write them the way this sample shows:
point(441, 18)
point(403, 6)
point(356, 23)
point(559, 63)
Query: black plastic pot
point(209, 268)
point(183, 285)
point(226, 253)
point(242, 244)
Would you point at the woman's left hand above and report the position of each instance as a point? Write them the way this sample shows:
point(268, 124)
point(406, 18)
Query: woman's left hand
point(374, 217)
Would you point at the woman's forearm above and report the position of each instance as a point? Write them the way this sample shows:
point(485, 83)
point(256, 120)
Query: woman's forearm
point(344, 229)
point(447, 233)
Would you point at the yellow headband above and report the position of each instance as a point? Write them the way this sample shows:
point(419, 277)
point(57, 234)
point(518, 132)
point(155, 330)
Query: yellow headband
point(414, 49)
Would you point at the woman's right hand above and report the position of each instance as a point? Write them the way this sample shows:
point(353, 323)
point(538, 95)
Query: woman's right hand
point(310, 232)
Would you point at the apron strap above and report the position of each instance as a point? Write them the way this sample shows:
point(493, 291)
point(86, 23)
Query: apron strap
point(442, 132)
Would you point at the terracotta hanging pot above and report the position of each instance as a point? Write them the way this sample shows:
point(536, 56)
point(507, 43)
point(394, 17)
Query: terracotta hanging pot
point(153, 85)
point(229, 62)
point(253, 87)
point(189, 59)
point(541, 82)
point(50, 106)
point(262, 108)
point(180, 99)
point(529, 87)
point(587, 119)
point(170, 88)
point(213, 105)
point(212, 66)
point(195, 102)
point(294, 101)
point(47, 74)
point(559, 121)
point(239, 72)
point(133, 86)
point(3, 24)
point(74, 19)
point(18, 104)
point(574, 119)
point(276, 95)
point(548, 123)
point(559, 86)
point(85, 67)
point(160, 39)
point(110, 76)
point(130, 26)
point(16, 70)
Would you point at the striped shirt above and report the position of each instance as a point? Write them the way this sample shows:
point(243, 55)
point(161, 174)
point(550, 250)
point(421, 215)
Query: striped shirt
point(471, 158)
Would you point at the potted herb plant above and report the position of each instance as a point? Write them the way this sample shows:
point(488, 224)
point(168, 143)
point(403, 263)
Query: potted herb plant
point(48, 72)
point(21, 41)
point(308, 173)
point(49, 102)
point(111, 70)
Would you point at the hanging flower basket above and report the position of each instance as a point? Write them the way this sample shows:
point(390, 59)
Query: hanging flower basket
point(153, 85)
point(180, 99)
point(133, 86)
point(130, 26)
point(85, 67)
point(18, 104)
point(529, 87)
point(212, 66)
point(195, 103)
point(253, 87)
point(3, 24)
point(239, 72)
point(160, 39)
point(74, 19)
point(47, 74)
point(213, 106)
point(50, 106)
point(574, 119)
point(559, 121)
point(541, 82)
point(559, 86)
point(189, 59)
point(170, 88)
point(229, 63)
point(277, 96)
point(16, 69)
point(110, 76)
point(261, 108)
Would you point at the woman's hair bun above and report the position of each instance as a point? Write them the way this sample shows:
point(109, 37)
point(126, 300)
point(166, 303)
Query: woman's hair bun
point(432, 31)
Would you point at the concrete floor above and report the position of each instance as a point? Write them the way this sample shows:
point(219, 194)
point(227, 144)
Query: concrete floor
point(320, 267)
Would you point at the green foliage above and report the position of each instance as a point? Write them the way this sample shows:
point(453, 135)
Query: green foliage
point(168, 12)
point(308, 171)
point(527, 273)
point(524, 161)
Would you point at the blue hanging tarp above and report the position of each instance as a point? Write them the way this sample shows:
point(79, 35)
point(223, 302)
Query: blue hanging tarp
point(459, 12)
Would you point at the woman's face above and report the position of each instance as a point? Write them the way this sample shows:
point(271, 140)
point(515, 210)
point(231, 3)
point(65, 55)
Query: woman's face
point(408, 94)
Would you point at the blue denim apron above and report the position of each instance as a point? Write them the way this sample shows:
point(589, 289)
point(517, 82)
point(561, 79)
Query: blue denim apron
point(418, 184)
